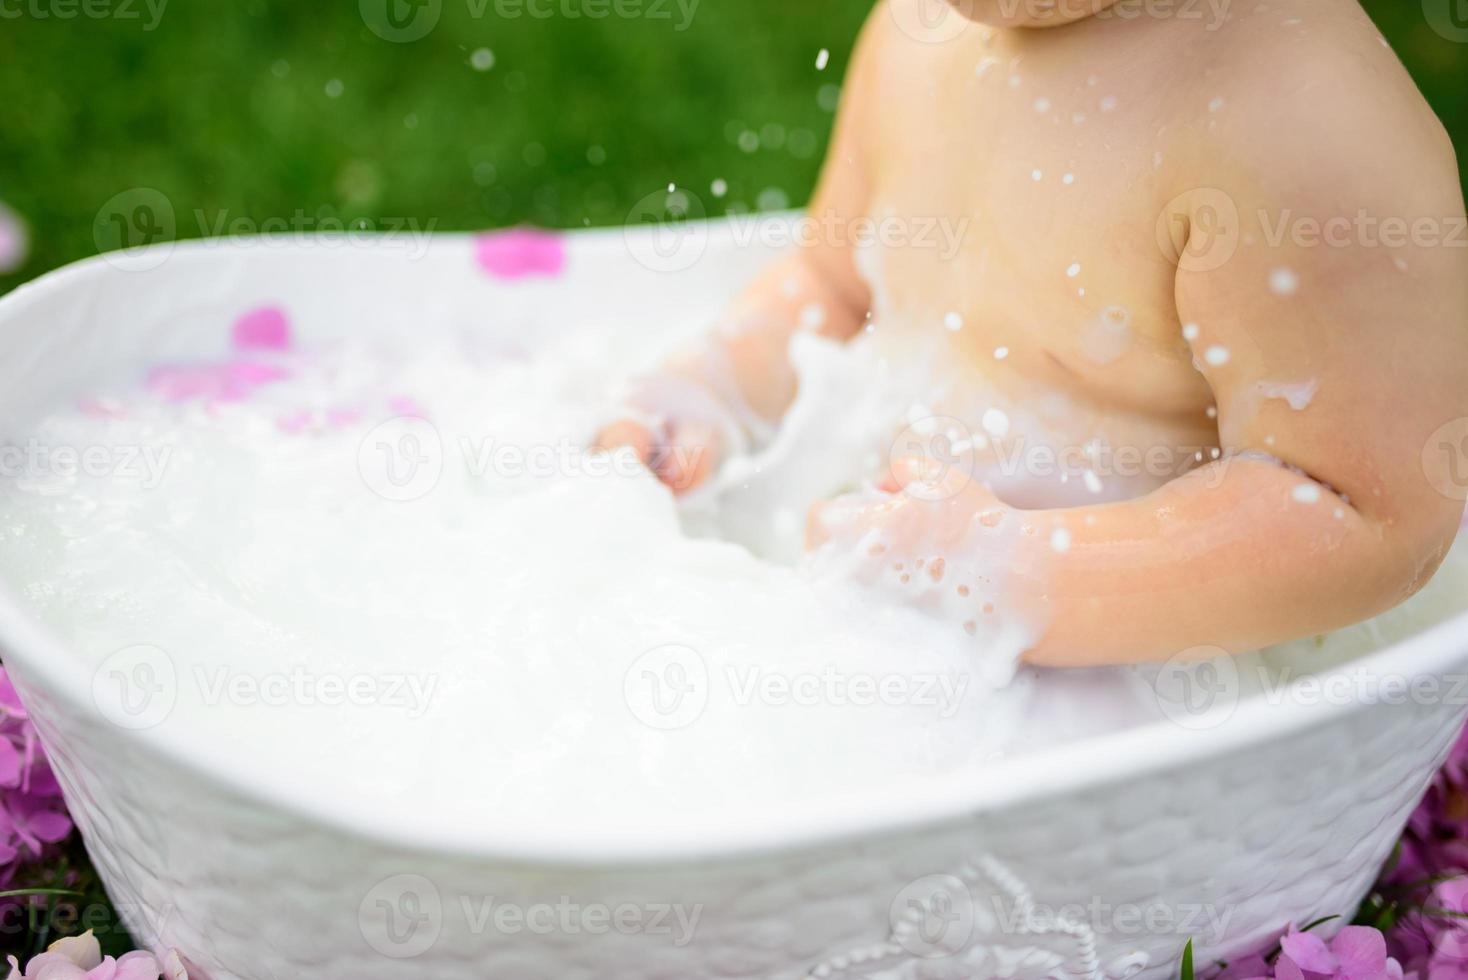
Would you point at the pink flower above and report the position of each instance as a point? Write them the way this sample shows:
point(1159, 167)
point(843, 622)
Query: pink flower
point(265, 328)
point(80, 958)
point(33, 815)
point(231, 381)
point(520, 253)
point(1356, 953)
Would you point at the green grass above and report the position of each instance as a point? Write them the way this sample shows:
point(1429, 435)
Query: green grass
point(223, 109)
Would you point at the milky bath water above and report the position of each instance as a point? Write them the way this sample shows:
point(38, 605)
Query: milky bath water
point(391, 577)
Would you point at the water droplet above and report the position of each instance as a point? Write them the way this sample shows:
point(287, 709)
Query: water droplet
point(1306, 493)
point(996, 423)
point(1284, 282)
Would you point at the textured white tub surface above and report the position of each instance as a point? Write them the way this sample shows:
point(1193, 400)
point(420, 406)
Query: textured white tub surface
point(1095, 859)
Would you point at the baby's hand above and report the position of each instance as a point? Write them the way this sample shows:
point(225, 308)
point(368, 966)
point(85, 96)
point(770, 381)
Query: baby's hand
point(682, 453)
point(932, 537)
point(921, 507)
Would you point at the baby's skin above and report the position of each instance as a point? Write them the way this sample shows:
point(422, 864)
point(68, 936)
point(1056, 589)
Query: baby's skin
point(1234, 241)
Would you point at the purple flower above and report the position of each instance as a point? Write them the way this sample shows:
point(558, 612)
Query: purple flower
point(1356, 953)
point(33, 816)
point(520, 253)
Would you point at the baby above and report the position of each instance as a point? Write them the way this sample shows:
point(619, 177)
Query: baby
point(1212, 255)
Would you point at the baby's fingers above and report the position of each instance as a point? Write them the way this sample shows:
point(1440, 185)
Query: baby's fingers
point(687, 459)
point(628, 434)
point(828, 519)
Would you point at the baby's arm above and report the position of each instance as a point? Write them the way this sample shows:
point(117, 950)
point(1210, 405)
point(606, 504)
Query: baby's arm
point(1323, 516)
point(740, 380)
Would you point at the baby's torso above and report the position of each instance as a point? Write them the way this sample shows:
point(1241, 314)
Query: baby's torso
point(1020, 183)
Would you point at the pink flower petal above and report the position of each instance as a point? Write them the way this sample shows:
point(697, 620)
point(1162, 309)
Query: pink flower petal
point(1309, 952)
point(1285, 969)
point(229, 382)
point(265, 328)
point(137, 966)
point(1361, 951)
point(520, 253)
point(404, 405)
point(49, 826)
point(11, 764)
point(1248, 968)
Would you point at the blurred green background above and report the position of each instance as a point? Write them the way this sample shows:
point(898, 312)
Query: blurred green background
point(266, 108)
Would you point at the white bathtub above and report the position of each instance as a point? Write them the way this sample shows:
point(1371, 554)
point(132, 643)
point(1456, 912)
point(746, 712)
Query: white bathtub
point(1274, 810)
